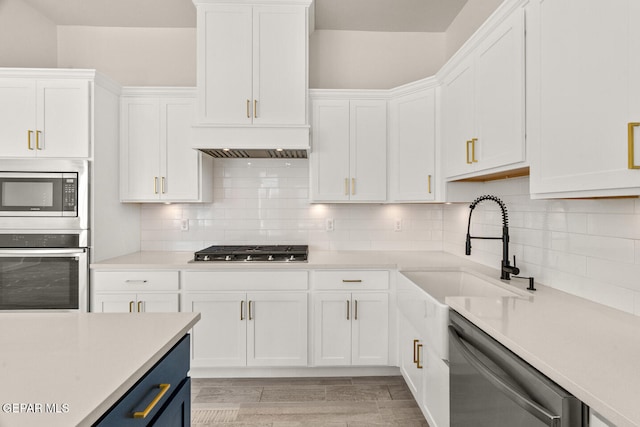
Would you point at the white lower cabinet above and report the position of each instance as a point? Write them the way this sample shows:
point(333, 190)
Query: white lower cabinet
point(135, 292)
point(263, 327)
point(351, 328)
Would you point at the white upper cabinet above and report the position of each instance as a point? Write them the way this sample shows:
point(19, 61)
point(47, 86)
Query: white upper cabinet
point(349, 154)
point(584, 92)
point(157, 162)
point(252, 70)
point(44, 117)
point(484, 104)
point(412, 147)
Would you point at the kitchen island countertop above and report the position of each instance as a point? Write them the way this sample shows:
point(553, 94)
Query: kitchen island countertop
point(67, 369)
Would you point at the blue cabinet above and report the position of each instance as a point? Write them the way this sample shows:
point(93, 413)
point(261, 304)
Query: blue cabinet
point(161, 398)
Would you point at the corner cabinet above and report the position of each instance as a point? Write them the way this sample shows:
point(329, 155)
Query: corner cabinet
point(45, 114)
point(584, 109)
point(483, 101)
point(348, 160)
point(263, 325)
point(412, 144)
point(351, 322)
point(157, 162)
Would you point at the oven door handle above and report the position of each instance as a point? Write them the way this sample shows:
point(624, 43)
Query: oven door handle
point(36, 252)
point(518, 397)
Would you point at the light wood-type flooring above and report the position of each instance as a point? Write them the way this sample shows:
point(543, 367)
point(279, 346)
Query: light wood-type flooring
point(308, 402)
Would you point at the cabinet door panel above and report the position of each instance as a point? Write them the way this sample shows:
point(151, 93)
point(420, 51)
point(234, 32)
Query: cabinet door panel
point(279, 61)
point(368, 155)
point(225, 64)
point(140, 159)
point(370, 326)
point(124, 303)
point(277, 329)
point(585, 82)
point(330, 151)
point(500, 95)
point(158, 303)
point(332, 328)
point(179, 163)
point(63, 118)
point(459, 120)
point(413, 376)
point(17, 117)
point(412, 147)
point(219, 338)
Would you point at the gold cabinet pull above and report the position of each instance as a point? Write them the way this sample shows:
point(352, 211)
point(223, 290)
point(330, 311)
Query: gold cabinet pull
point(250, 312)
point(632, 158)
point(353, 186)
point(355, 309)
point(38, 140)
point(348, 303)
point(418, 348)
point(139, 306)
point(29, 132)
point(155, 185)
point(242, 310)
point(163, 390)
point(429, 184)
point(467, 152)
point(351, 280)
point(255, 108)
point(162, 185)
point(248, 113)
point(130, 306)
point(415, 357)
point(346, 186)
point(473, 150)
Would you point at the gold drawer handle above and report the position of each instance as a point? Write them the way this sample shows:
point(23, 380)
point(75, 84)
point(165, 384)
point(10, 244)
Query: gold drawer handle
point(353, 186)
point(131, 306)
point(163, 390)
point(346, 186)
point(139, 306)
point(632, 164)
point(347, 309)
point(415, 357)
point(248, 114)
point(473, 150)
point(418, 365)
point(38, 140)
point(429, 184)
point(467, 152)
point(250, 311)
point(351, 280)
point(255, 108)
point(355, 310)
point(29, 133)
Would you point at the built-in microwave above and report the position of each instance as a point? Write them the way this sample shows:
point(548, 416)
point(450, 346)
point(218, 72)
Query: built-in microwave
point(44, 194)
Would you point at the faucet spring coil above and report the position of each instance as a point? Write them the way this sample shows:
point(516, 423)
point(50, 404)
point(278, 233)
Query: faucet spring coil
point(503, 208)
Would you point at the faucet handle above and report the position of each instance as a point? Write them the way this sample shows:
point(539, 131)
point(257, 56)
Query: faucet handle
point(514, 260)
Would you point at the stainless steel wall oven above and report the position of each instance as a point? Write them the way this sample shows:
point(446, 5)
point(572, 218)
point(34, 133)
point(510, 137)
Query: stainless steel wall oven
point(44, 234)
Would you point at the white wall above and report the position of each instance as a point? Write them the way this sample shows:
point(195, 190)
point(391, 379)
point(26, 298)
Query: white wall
point(267, 202)
point(27, 38)
point(131, 56)
point(470, 18)
point(589, 248)
point(372, 60)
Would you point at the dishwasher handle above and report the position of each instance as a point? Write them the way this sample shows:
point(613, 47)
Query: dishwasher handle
point(518, 397)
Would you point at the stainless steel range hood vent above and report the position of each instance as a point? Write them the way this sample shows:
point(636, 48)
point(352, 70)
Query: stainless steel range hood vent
point(237, 153)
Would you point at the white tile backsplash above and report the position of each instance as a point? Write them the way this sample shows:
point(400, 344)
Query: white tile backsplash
point(261, 201)
point(590, 248)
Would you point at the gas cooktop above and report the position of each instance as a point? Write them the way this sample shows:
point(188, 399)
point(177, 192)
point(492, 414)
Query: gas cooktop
point(267, 253)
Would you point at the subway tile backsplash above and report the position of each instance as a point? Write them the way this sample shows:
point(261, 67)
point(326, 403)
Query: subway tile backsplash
point(260, 201)
point(589, 248)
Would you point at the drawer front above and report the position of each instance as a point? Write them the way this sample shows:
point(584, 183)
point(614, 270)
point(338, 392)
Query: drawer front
point(245, 280)
point(135, 281)
point(172, 370)
point(350, 279)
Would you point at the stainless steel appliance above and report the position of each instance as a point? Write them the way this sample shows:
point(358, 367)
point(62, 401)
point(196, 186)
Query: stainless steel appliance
point(268, 253)
point(491, 386)
point(44, 194)
point(44, 271)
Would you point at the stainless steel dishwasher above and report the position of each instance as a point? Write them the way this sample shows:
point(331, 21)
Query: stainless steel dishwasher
point(491, 386)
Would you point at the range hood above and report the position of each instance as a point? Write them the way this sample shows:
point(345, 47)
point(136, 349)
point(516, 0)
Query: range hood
point(253, 153)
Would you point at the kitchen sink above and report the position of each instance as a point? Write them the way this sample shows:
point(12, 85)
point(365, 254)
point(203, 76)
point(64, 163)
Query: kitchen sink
point(421, 298)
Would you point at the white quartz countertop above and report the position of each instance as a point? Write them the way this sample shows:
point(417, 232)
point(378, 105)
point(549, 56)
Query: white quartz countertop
point(591, 350)
point(79, 364)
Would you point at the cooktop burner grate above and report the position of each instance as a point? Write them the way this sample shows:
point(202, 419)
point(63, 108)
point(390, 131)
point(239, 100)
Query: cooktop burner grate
point(253, 253)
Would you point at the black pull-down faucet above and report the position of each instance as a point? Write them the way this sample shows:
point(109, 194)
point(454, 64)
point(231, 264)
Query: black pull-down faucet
point(507, 269)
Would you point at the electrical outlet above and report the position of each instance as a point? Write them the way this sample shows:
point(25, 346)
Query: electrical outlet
point(329, 224)
point(184, 225)
point(397, 225)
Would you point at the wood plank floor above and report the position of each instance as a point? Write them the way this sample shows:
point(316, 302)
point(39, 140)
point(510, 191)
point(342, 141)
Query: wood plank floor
point(308, 402)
